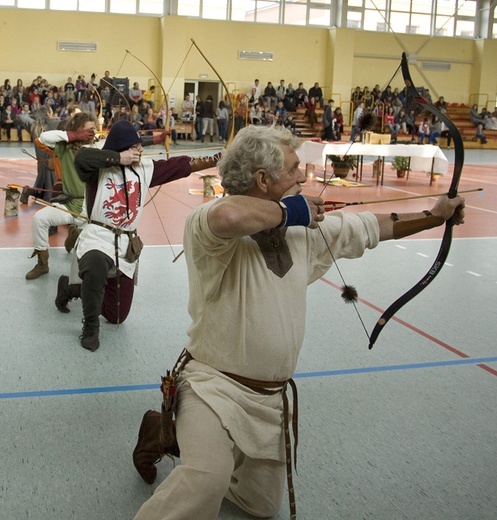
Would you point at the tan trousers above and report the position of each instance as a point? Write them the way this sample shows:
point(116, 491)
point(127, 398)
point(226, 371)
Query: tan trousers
point(212, 468)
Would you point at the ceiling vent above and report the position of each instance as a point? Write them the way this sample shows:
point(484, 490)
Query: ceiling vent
point(77, 46)
point(436, 65)
point(255, 55)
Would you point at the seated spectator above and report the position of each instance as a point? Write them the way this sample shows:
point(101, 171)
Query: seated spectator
point(368, 100)
point(389, 122)
point(270, 95)
point(69, 88)
point(86, 103)
point(401, 120)
point(356, 96)
point(255, 116)
point(337, 113)
point(289, 100)
point(120, 114)
point(253, 99)
point(148, 96)
point(435, 131)
point(424, 130)
point(411, 123)
point(187, 108)
point(490, 123)
point(81, 87)
point(310, 111)
point(300, 96)
point(106, 81)
point(378, 109)
point(135, 94)
point(280, 113)
point(35, 105)
point(291, 125)
point(7, 117)
point(441, 105)
point(475, 117)
point(396, 105)
point(143, 108)
point(136, 118)
point(257, 88)
point(150, 121)
point(317, 93)
point(480, 135)
point(161, 116)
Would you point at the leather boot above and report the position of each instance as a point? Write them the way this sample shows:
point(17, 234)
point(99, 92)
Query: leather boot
point(149, 450)
point(41, 267)
point(202, 163)
point(72, 236)
point(89, 335)
point(26, 192)
point(66, 293)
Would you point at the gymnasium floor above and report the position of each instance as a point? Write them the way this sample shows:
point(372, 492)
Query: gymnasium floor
point(406, 431)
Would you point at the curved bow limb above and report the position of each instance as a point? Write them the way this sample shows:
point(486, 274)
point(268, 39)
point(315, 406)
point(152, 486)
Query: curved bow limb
point(166, 100)
point(447, 236)
point(232, 129)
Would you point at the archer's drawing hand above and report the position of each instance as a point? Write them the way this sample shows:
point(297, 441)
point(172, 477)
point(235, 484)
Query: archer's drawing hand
point(130, 156)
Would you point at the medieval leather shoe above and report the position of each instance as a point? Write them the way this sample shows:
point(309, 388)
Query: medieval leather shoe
point(26, 192)
point(72, 236)
point(149, 449)
point(89, 336)
point(64, 294)
point(41, 267)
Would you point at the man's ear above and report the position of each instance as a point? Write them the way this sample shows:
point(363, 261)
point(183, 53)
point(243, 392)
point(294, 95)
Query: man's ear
point(261, 180)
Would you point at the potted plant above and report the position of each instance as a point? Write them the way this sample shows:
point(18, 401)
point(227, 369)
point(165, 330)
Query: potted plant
point(342, 165)
point(402, 165)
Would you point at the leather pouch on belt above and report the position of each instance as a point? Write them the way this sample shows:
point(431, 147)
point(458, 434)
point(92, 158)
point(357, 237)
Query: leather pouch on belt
point(135, 247)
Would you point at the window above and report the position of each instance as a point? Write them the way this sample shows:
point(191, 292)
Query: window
point(189, 8)
point(215, 10)
point(31, 4)
point(123, 6)
point(149, 6)
point(430, 17)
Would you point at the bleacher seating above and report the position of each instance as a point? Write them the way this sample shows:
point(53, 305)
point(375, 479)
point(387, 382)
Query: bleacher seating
point(13, 136)
point(458, 113)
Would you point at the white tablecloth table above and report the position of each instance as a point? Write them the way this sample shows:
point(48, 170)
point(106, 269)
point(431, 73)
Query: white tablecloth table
point(426, 158)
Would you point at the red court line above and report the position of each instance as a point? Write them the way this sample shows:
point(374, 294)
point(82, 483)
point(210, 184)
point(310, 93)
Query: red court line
point(439, 342)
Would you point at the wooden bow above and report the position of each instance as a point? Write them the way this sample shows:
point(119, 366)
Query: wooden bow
point(447, 237)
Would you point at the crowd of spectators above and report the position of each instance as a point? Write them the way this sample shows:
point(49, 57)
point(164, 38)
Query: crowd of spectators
point(260, 106)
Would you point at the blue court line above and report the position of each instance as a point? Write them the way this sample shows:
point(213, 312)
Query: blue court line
point(343, 372)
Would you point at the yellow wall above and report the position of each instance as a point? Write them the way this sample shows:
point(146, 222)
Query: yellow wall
point(36, 52)
point(339, 59)
point(299, 53)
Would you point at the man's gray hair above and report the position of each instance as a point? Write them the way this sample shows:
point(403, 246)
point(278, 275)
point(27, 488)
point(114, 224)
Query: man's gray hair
point(254, 148)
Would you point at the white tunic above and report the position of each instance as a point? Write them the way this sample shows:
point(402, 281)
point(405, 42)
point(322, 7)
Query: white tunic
point(112, 208)
point(248, 321)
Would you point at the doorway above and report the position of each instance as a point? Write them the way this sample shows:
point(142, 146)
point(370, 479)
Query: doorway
point(203, 89)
